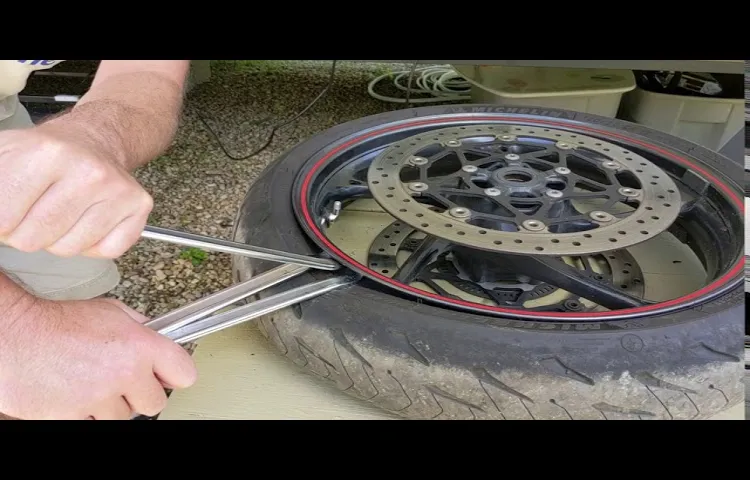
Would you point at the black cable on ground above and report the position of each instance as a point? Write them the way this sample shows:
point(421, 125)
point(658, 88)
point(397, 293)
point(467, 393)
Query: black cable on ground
point(275, 128)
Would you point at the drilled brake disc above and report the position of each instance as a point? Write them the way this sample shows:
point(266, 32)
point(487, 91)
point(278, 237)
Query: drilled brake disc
point(621, 270)
point(524, 190)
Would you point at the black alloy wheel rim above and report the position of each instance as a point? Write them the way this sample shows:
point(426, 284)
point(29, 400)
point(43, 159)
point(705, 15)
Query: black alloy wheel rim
point(488, 205)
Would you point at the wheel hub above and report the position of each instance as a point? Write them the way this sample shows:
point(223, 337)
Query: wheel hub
point(525, 190)
point(517, 179)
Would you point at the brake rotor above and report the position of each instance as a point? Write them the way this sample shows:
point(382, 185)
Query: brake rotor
point(525, 190)
point(616, 267)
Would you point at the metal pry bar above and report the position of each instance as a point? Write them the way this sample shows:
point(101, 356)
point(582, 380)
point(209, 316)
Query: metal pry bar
point(213, 303)
point(235, 248)
point(208, 325)
point(196, 320)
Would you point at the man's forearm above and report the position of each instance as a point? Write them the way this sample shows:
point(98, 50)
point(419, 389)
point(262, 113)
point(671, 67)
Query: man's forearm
point(133, 115)
point(15, 301)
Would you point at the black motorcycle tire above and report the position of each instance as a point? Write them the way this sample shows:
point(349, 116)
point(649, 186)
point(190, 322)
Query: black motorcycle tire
point(423, 361)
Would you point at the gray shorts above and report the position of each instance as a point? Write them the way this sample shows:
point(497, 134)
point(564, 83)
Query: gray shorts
point(48, 276)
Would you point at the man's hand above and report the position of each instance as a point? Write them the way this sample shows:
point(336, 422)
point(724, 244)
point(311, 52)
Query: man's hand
point(86, 359)
point(65, 192)
point(64, 185)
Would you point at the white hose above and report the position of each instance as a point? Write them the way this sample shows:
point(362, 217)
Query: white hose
point(442, 82)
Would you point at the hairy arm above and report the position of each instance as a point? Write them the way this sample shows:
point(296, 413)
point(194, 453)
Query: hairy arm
point(15, 301)
point(131, 110)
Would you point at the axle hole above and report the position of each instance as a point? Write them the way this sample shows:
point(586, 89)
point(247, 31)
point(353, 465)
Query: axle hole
point(519, 177)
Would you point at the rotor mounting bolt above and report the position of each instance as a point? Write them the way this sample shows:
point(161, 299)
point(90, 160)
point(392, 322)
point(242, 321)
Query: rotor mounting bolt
point(562, 170)
point(628, 192)
point(512, 157)
point(418, 161)
point(554, 193)
point(453, 143)
point(492, 192)
point(507, 138)
point(563, 146)
point(534, 225)
point(459, 212)
point(601, 216)
point(418, 186)
point(469, 168)
point(611, 165)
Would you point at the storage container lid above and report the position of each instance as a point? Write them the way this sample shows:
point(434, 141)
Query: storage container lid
point(518, 82)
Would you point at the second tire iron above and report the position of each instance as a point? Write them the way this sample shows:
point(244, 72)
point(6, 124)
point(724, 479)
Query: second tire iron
point(196, 320)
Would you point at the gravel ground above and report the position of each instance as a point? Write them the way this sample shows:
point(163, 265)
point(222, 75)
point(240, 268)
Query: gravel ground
point(197, 188)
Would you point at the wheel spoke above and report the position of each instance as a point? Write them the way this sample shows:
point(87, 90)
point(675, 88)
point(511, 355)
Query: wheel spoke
point(427, 251)
point(435, 286)
point(556, 272)
point(349, 193)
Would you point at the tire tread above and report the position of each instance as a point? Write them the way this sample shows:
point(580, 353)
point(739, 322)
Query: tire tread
point(416, 395)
